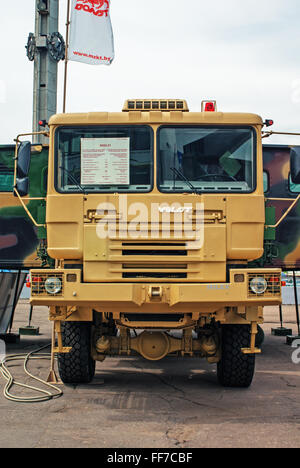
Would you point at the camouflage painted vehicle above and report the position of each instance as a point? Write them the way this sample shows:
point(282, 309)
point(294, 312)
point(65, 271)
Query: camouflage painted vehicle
point(282, 244)
point(22, 245)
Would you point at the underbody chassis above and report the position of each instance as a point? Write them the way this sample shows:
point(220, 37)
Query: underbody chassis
point(156, 320)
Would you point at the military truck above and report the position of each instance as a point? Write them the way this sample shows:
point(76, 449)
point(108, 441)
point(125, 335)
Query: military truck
point(163, 242)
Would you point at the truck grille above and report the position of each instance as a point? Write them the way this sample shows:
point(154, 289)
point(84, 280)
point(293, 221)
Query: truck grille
point(164, 254)
point(160, 249)
point(154, 275)
point(159, 269)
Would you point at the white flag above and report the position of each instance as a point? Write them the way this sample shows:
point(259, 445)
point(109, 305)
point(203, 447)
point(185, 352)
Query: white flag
point(91, 35)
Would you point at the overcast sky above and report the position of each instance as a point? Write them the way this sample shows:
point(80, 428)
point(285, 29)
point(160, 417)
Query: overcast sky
point(243, 53)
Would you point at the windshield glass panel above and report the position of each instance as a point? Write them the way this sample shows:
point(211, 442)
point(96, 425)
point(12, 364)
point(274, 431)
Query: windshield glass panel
point(104, 159)
point(206, 159)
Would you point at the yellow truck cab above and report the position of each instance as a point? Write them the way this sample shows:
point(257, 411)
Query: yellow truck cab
point(153, 215)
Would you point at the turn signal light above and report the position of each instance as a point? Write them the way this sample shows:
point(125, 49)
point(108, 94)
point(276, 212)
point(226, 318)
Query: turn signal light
point(274, 279)
point(37, 279)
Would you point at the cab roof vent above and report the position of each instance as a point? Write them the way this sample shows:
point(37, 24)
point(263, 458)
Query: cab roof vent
point(164, 105)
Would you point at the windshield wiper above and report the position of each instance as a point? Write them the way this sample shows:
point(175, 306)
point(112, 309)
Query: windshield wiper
point(73, 179)
point(179, 174)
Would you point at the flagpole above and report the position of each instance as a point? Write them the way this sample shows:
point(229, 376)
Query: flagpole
point(67, 58)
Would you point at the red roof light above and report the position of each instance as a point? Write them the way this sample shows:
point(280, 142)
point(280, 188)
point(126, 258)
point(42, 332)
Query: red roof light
point(269, 123)
point(210, 107)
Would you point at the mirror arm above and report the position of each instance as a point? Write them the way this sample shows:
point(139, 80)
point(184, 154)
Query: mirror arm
point(17, 140)
point(270, 133)
point(26, 209)
point(285, 214)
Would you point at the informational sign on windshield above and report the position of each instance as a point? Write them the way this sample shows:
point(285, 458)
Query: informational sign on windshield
point(105, 161)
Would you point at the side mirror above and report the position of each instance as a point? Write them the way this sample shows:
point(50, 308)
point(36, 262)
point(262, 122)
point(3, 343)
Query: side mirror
point(295, 164)
point(22, 185)
point(23, 159)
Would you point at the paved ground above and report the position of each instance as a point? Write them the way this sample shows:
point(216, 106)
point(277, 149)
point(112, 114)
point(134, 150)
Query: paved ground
point(169, 404)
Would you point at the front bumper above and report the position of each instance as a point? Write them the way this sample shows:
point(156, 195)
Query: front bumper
point(155, 297)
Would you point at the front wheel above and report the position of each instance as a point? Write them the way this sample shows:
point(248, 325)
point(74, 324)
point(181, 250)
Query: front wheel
point(77, 366)
point(235, 369)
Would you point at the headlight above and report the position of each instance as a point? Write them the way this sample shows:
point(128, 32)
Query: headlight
point(258, 285)
point(53, 285)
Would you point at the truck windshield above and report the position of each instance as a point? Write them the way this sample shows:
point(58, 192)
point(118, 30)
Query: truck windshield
point(104, 159)
point(206, 159)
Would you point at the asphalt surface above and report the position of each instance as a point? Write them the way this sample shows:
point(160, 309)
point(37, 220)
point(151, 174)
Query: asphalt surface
point(174, 403)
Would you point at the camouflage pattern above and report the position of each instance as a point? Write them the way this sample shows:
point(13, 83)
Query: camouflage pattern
point(282, 246)
point(19, 239)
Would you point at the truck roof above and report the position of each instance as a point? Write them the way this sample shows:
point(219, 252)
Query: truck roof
point(152, 117)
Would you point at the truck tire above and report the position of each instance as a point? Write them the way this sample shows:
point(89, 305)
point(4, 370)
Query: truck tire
point(77, 366)
point(235, 369)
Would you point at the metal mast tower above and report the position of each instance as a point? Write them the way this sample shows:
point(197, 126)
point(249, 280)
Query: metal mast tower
point(46, 48)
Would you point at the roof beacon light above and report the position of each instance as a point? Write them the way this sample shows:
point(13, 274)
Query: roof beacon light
point(209, 106)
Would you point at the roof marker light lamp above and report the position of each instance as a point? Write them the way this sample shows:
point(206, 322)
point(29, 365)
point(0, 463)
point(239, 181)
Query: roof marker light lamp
point(269, 123)
point(209, 106)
